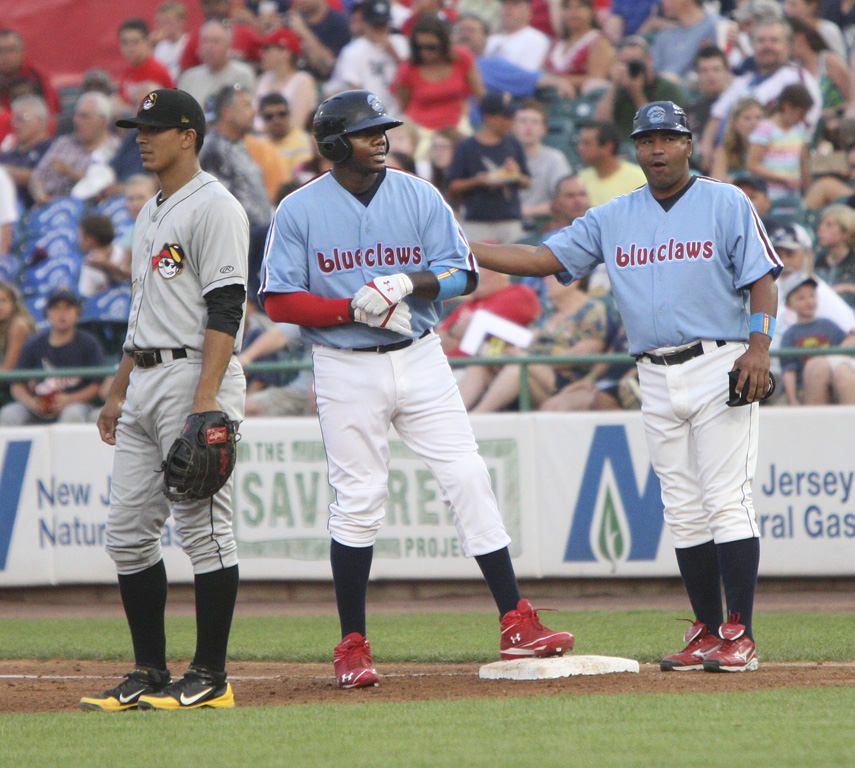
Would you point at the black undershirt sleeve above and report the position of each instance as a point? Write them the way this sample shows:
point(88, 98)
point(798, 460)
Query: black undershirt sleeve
point(225, 308)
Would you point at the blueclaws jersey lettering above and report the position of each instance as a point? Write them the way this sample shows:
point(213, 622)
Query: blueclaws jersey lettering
point(407, 227)
point(677, 275)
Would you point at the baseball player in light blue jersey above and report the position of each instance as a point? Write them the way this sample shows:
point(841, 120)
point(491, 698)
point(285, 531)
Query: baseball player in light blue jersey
point(692, 271)
point(361, 258)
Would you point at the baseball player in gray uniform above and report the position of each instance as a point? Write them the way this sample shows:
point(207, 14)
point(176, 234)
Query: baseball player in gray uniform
point(361, 258)
point(189, 262)
point(692, 271)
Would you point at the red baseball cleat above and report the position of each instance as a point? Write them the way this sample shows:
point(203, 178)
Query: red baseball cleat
point(524, 635)
point(353, 666)
point(737, 653)
point(700, 644)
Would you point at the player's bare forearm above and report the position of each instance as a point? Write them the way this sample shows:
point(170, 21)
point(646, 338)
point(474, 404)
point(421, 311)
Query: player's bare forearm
point(112, 410)
point(520, 260)
point(755, 363)
point(216, 352)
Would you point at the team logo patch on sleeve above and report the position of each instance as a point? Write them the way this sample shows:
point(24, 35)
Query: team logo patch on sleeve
point(169, 262)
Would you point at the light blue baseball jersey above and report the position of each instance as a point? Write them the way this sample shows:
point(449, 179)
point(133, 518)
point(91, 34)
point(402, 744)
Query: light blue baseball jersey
point(326, 242)
point(677, 275)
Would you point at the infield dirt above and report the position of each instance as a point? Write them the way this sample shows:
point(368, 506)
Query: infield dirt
point(57, 684)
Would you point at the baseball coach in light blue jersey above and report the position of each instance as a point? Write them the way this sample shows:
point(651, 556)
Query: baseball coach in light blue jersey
point(692, 271)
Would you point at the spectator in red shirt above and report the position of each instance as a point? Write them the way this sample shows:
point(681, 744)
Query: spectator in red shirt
point(246, 41)
point(13, 68)
point(144, 73)
point(434, 86)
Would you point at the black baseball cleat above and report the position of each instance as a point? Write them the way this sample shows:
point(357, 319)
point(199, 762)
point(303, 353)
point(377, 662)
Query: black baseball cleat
point(198, 688)
point(126, 695)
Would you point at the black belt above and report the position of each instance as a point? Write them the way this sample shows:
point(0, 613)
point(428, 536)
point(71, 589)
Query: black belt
point(675, 358)
point(380, 349)
point(148, 358)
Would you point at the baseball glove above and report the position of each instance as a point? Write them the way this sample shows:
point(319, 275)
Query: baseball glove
point(735, 400)
point(202, 458)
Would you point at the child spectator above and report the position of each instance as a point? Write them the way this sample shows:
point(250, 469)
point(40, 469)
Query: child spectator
point(435, 168)
point(58, 399)
point(487, 172)
point(16, 326)
point(731, 156)
point(137, 190)
point(836, 262)
point(778, 146)
point(821, 379)
point(104, 263)
point(546, 165)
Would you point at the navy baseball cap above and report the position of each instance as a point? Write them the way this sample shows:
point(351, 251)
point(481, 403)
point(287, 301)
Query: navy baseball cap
point(168, 108)
point(62, 293)
point(377, 13)
point(498, 103)
point(660, 116)
point(752, 180)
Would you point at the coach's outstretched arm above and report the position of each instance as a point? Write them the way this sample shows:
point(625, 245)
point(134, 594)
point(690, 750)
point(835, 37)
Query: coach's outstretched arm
point(520, 260)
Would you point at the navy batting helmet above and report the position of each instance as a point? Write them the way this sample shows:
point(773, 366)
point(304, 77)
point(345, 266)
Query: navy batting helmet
point(660, 116)
point(347, 113)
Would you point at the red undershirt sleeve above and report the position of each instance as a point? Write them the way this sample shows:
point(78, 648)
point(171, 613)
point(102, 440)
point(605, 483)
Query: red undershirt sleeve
point(307, 309)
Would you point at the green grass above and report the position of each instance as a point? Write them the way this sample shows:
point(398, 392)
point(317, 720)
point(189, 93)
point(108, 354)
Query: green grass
point(644, 635)
point(783, 729)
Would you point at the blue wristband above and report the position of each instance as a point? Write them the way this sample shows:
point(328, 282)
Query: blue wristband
point(452, 281)
point(762, 323)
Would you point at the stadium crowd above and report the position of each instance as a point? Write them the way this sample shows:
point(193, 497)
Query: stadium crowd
point(518, 111)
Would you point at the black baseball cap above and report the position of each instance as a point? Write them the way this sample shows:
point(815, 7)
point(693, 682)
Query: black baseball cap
point(757, 183)
point(377, 13)
point(498, 103)
point(168, 108)
point(62, 293)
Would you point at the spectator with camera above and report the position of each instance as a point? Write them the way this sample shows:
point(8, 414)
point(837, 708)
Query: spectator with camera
point(633, 82)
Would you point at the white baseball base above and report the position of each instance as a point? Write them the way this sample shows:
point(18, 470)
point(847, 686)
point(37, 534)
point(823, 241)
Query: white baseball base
point(556, 666)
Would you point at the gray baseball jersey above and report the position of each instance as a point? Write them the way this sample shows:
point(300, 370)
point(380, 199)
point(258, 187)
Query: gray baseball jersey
point(188, 245)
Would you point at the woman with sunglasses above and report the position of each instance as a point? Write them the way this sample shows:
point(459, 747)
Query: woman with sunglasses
point(434, 86)
point(281, 74)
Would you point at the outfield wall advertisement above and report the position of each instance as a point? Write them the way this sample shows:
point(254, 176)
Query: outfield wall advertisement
point(576, 491)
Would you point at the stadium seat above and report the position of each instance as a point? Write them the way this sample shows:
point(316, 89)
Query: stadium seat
point(41, 278)
point(10, 266)
point(110, 304)
point(117, 210)
point(105, 316)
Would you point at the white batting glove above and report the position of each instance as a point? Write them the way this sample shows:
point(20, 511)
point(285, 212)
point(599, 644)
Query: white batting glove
point(396, 319)
point(382, 292)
